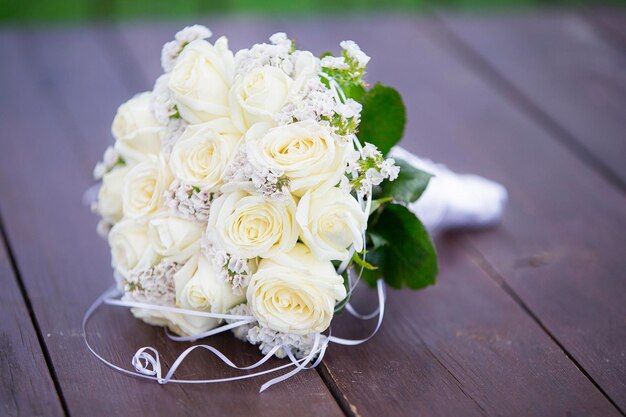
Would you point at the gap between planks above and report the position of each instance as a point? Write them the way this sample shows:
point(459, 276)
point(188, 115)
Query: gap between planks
point(451, 41)
point(454, 44)
point(608, 31)
point(44, 349)
point(115, 46)
point(488, 269)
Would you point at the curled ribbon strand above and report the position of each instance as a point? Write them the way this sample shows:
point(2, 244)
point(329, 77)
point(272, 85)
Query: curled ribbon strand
point(147, 363)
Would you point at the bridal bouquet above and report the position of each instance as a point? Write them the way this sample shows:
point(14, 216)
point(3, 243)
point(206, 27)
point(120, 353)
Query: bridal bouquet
point(250, 191)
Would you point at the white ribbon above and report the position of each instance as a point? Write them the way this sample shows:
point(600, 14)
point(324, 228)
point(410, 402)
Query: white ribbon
point(147, 363)
point(380, 312)
point(111, 300)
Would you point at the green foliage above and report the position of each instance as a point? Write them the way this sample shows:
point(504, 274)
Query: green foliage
point(409, 185)
point(379, 202)
point(383, 117)
point(401, 248)
point(86, 10)
point(353, 90)
point(363, 263)
point(176, 114)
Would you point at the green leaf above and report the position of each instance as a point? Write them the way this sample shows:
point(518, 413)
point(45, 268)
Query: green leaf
point(377, 242)
point(383, 117)
point(409, 185)
point(379, 202)
point(353, 90)
point(403, 251)
point(176, 114)
point(363, 263)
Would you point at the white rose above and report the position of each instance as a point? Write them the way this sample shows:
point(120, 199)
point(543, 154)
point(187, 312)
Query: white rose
point(201, 80)
point(173, 237)
point(144, 187)
point(154, 318)
point(130, 247)
point(201, 155)
point(137, 132)
point(331, 221)
point(198, 287)
point(305, 151)
point(306, 67)
point(295, 292)
point(258, 96)
point(248, 226)
point(110, 194)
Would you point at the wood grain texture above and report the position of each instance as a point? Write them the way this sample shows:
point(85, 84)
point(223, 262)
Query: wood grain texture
point(45, 168)
point(26, 388)
point(464, 347)
point(563, 68)
point(144, 42)
point(560, 247)
point(611, 22)
point(463, 333)
point(460, 348)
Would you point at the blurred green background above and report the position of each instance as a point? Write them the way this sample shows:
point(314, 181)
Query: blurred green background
point(29, 11)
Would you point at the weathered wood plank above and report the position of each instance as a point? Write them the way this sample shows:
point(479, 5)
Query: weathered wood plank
point(561, 248)
point(26, 388)
point(57, 80)
point(561, 66)
point(145, 41)
point(611, 22)
point(561, 245)
point(482, 343)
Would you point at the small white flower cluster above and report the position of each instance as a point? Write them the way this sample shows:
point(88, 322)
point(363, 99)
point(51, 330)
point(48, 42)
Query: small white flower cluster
point(334, 62)
point(173, 130)
point(349, 109)
point(163, 106)
point(299, 345)
point(272, 183)
point(239, 170)
point(153, 285)
point(276, 54)
point(172, 49)
point(231, 269)
point(353, 51)
point(267, 339)
point(351, 64)
point(320, 98)
point(166, 114)
point(367, 169)
point(241, 332)
point(314, 102)
point(188, 201)
point(347, 118)
point(110, 159)
point(224, 188)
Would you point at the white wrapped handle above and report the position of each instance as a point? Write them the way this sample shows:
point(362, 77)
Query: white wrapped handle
point(455, 201)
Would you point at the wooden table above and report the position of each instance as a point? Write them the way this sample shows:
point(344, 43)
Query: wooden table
point(526, 320)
